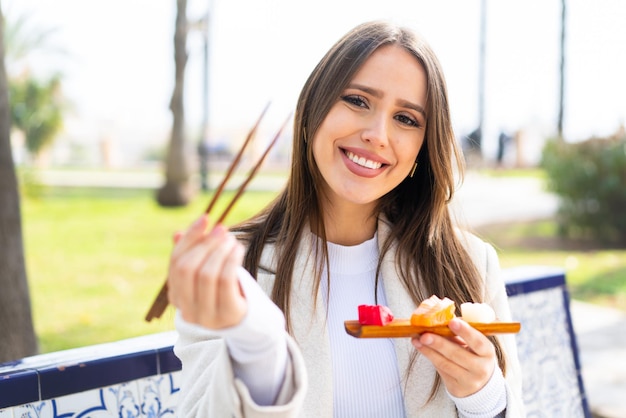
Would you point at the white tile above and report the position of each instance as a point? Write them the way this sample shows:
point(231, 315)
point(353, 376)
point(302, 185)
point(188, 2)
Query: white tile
point(159, 394)
point(176, 379)
point(550, 379)
point(42, 409)
point(112, 401)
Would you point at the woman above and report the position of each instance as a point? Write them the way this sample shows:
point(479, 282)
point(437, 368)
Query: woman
point(363, 220)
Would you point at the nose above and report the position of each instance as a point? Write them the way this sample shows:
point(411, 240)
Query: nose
point(376, 131)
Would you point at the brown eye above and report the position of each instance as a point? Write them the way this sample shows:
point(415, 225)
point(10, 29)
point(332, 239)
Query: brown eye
point(354, 100)
point(407, 120)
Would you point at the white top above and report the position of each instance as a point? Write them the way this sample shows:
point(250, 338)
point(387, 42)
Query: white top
point(365, 371)
point(366, 379)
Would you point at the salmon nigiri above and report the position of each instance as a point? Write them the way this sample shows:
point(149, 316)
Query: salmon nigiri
point(433, 311)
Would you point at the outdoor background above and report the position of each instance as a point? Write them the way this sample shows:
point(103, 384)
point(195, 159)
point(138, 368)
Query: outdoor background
point(97, 243)
point(116, 58)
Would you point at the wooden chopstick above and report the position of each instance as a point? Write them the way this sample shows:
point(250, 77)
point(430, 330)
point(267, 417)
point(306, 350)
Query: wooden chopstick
point(252, 173)
point(235, 162)
point(402, 328)
point(160, 302)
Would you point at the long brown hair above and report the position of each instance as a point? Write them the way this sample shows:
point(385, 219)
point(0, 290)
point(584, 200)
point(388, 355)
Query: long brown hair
point(430, 256)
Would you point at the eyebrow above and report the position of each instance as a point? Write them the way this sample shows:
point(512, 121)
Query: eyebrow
point(378, 94)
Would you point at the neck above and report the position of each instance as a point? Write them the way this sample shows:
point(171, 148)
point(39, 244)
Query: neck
point(349, 224)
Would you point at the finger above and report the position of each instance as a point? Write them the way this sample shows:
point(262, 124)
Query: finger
point(463, 371)
point(447, 356)
point(194, 233)
point(214, 277)
point(229, 282)
point(184, 268)
point(177, 236)
point(475, 340)
point(459, 379)
point(229, 288)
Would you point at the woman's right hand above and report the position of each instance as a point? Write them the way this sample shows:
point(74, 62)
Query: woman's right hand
point(202, 280)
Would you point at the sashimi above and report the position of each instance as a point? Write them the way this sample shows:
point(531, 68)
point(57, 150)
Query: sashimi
point(374, 315)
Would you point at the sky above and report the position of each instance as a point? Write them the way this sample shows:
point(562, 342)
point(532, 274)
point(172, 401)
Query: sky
point(119, 73)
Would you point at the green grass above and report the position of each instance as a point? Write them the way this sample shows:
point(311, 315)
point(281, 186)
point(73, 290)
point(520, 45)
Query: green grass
point(96, 259)
point(537, 173)
point(594, 273)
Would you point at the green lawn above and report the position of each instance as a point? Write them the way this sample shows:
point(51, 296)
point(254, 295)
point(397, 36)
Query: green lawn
point(96, 259)
point(594, 273)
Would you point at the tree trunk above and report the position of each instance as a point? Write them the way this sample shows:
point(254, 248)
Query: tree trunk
point(559, 124)
point(17, 334)
point(178, 189)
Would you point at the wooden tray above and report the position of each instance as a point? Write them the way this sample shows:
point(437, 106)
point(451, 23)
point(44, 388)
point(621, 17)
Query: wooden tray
point(402, 328)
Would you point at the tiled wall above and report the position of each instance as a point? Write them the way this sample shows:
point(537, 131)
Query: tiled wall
point(154, 396)
point(141, 377)
point(546, 344)
point(131, 378)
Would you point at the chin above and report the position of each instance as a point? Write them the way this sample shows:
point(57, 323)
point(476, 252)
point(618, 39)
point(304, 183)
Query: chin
point(362, 199)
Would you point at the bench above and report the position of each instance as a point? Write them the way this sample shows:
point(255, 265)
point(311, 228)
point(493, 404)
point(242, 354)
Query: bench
point(141, 376)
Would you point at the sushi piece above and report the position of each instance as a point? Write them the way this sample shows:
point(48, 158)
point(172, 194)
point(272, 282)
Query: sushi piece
point(374, 315)
point(433, 311)
point(477, 312)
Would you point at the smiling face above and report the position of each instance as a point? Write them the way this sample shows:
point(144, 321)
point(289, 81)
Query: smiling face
point(369, 140)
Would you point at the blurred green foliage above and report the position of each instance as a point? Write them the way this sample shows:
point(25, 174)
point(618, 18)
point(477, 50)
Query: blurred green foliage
point(36, 101)
point(36, 110)
point(590, 179)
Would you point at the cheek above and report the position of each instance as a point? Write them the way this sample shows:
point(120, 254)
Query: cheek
point(338, 122)
point(322, 142)
point(317, 147)
point(408, 150)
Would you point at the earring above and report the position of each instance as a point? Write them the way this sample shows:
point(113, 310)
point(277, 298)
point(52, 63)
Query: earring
point(413, 170)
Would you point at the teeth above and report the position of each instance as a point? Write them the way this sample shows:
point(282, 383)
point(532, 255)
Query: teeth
point(363, 162)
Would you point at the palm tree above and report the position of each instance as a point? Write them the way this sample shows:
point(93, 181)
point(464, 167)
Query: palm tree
point(37, 110)
point(36, 106)
point(178, 190)
point(18, 335)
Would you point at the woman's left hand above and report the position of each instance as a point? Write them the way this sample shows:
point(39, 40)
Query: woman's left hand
point(465, 362)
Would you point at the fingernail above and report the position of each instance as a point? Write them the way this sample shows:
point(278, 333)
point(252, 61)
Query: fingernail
point(426, 339)
point(455, 325)
point(416, 343)
point(199, 221)
point(218, 230)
